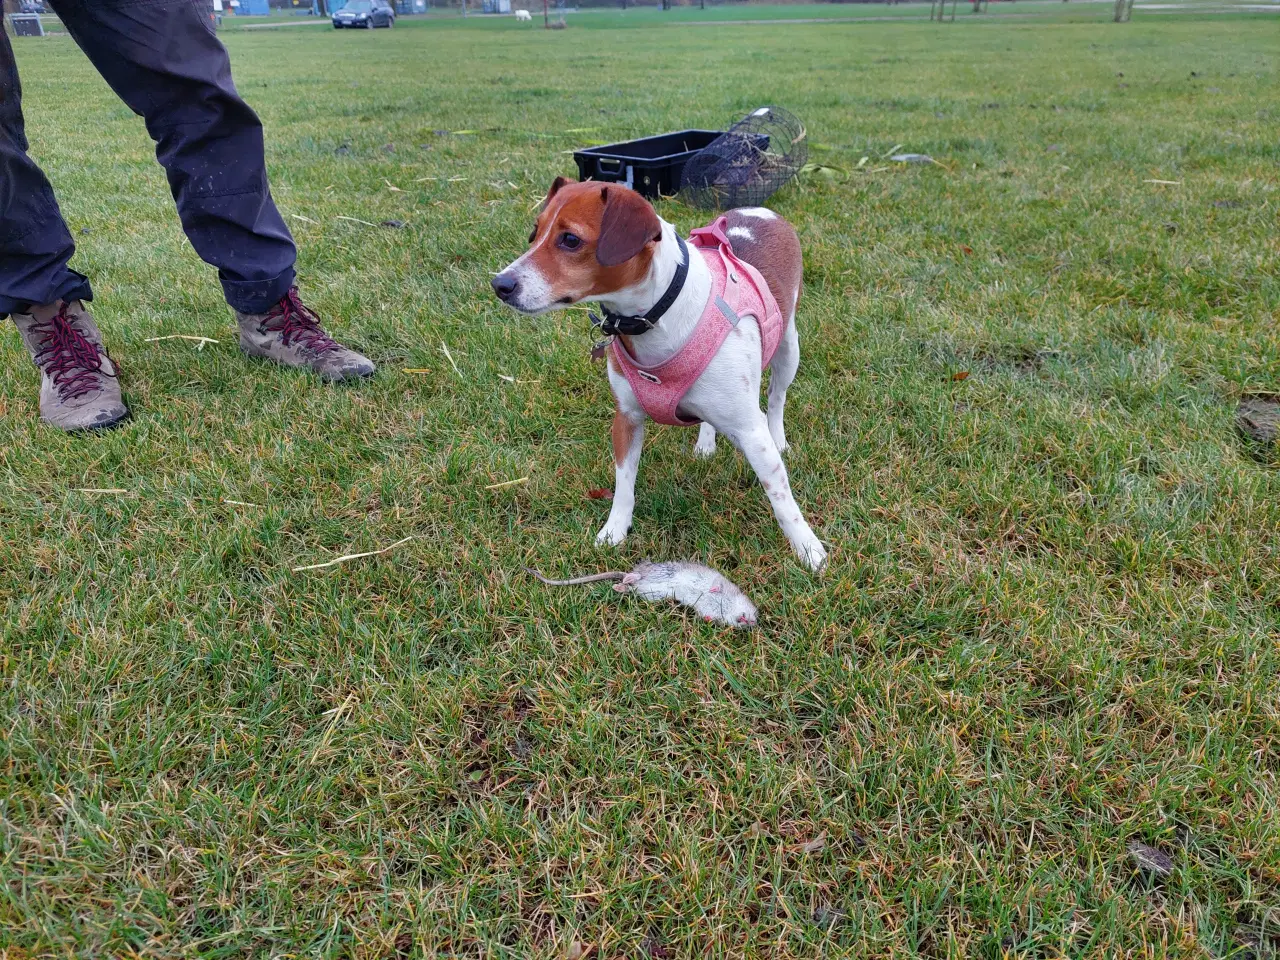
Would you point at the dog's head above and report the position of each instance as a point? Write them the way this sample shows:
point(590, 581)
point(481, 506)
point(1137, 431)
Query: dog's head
point(591, 240)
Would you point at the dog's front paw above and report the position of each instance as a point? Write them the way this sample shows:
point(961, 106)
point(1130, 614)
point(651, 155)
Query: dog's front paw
point(611, 535)
point(813, 555)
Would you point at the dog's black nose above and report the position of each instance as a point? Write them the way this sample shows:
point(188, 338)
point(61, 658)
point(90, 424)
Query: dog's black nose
point(505, 286)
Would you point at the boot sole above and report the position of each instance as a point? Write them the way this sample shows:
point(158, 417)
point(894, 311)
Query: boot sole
point(327, 378)
point(94, 427)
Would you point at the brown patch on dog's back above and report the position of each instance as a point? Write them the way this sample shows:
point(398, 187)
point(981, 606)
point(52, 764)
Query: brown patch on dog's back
point(773, 248)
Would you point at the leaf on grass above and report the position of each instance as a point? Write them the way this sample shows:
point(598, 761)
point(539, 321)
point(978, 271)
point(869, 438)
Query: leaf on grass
point(1258, 417)
point(968, 250)
point(1150, 860)
point(816, 844)
point(823, 170)
point(912, 158)
point(600, 493)
point(960, 375)
point(825, 915)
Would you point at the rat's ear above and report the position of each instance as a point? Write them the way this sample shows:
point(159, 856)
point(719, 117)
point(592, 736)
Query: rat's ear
point(556, 185)
point(627, 225)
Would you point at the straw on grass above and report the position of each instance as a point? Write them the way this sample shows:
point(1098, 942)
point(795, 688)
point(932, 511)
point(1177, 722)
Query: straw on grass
point(352, 556)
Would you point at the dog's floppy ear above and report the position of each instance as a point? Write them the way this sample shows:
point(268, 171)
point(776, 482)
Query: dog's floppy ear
point(627, 225)
point(556, 185)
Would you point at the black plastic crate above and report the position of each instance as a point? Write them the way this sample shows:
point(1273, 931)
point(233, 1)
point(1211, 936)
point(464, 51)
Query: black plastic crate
point(652, 165)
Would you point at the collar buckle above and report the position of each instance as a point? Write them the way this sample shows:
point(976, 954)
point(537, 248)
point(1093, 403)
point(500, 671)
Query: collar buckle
point(613, 324)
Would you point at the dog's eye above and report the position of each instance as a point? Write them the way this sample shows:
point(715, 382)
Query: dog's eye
point(570, 241)
point(532, 235)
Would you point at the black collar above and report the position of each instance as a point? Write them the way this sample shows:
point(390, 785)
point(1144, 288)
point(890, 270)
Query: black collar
point(613, 324)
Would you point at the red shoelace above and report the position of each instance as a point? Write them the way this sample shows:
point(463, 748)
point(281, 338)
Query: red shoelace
point(71, 360)
point(294, 321)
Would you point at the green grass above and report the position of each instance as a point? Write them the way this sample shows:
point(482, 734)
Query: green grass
point(1050, 625)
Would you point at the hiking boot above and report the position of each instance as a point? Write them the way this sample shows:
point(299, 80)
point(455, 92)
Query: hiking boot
point(78, 388)
point(290, 334)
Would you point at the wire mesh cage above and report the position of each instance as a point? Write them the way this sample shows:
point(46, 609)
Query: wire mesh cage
point(747, 164)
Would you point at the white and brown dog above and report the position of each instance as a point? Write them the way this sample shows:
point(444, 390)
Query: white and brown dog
point(692, 324)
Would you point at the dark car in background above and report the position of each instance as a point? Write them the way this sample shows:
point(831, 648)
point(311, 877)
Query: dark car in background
point(364, 13)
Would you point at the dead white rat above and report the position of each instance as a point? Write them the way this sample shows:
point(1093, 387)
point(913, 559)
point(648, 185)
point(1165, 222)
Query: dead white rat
point(708, 592)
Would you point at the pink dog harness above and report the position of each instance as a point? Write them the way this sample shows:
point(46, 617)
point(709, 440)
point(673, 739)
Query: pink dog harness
point(737, 290)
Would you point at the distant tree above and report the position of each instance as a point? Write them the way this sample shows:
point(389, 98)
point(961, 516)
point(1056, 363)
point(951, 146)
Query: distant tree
point(1124, 9)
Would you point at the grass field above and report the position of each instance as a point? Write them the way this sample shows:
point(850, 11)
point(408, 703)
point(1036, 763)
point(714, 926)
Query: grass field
point(1050, 625)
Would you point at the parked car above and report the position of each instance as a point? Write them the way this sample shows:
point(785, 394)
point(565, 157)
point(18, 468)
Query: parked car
point(365, 13)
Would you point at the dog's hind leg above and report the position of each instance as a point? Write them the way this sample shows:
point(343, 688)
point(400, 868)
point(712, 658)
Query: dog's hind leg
point(782, 371)
point(758, 447)
point(705, 446)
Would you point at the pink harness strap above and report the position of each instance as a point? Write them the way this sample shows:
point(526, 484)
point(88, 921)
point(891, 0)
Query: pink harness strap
point(737, 290)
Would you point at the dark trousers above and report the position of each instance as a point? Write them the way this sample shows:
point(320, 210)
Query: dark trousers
point(162, 59)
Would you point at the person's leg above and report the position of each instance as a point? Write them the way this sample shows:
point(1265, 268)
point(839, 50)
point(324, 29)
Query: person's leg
point(35, 244)
point(162, 59)
point(79, 389)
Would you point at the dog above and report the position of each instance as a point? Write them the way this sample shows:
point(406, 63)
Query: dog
point(693, 324)
point(523, 15)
